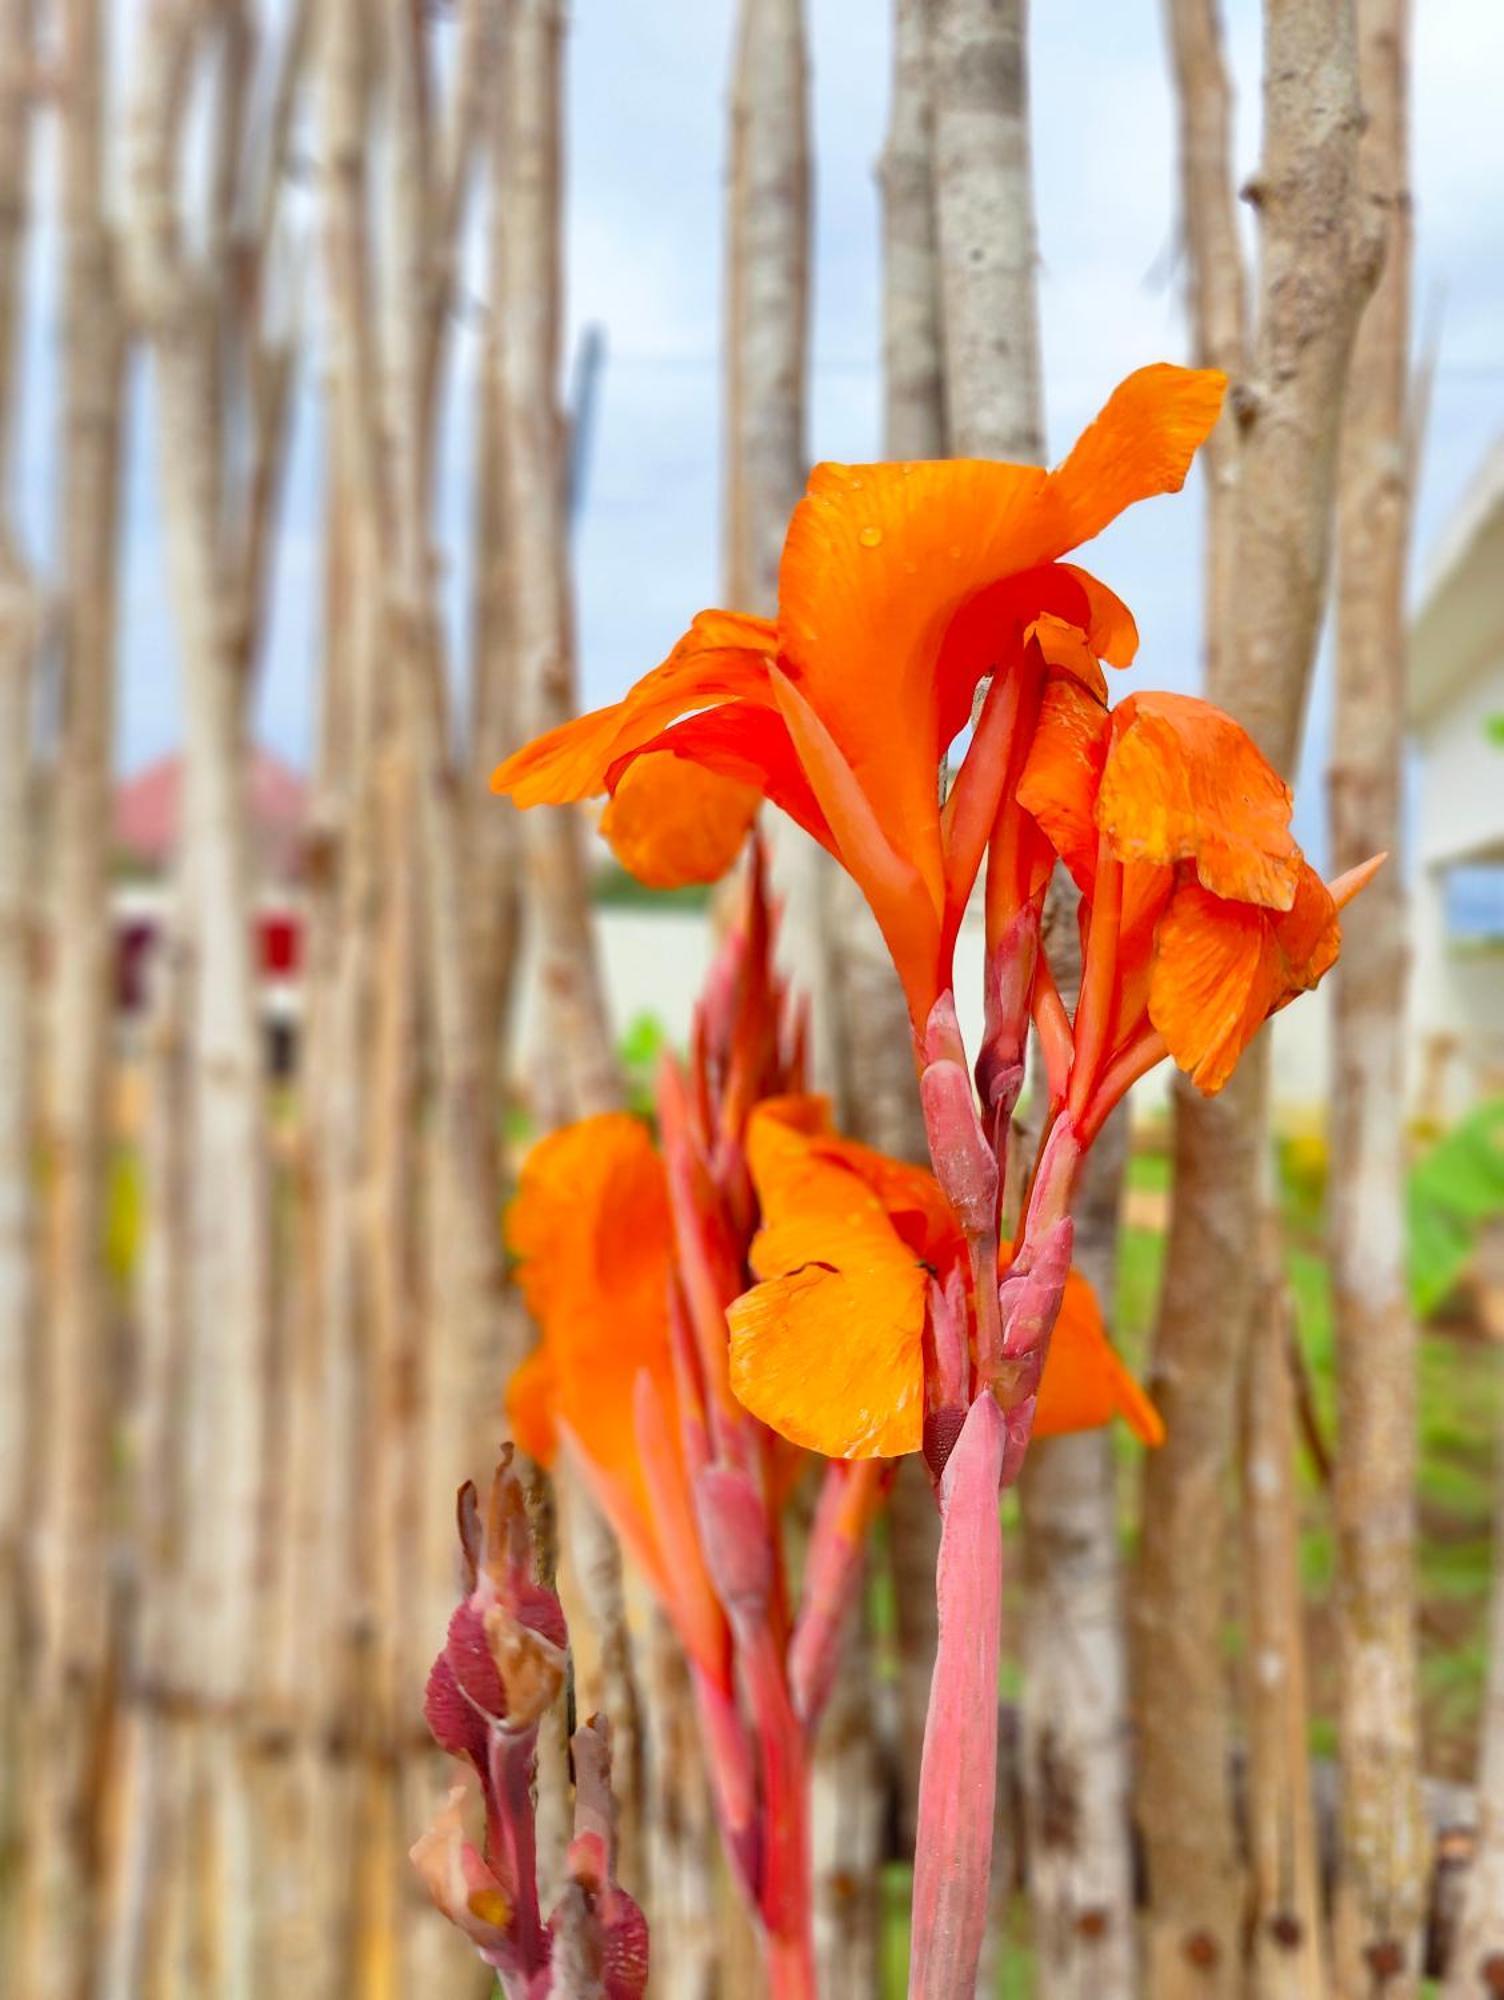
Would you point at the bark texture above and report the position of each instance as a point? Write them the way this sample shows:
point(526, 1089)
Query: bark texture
point(75, 1359)
point(1074, 1741)
point(178, 296)
point(1286, 1917)
point(19, 1290)
point(979, 77)
point(581, 1072)
point(1317, 263)
point(913, 356)
point(1075, 1702)
point(1382, 1861)
point(879, 1099)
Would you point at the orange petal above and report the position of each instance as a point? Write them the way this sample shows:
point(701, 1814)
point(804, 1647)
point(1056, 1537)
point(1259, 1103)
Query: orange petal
point(910, 1195)
point(1222, 968)
point(828, 1348)
point(531, 1396)
point(593, 1233)
point(591, 1218)
point(1111, 629)
point(901, 897)
point(878, 561)
point(1141, 444)
point(748, 745)
point(1058, 788)
point(1065, 648)
point(669, 822)
point(1184, 783)
point(833, 1358)
point(1085, 1382)
point(723, 657)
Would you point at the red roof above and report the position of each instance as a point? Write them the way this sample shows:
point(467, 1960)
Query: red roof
point(147, 809)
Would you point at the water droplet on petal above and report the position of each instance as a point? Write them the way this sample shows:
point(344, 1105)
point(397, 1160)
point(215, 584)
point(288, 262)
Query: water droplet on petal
point(870, 537)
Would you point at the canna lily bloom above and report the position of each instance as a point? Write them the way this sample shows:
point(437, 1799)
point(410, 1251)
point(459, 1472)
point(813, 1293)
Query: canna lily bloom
point(855, 1251)
point(1204, 916)
point(900, 589)
point(593, 1233)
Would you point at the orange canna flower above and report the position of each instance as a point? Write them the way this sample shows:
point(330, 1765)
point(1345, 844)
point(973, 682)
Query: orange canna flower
point(828, 1349)
point(1204, 916)
point(901, 588)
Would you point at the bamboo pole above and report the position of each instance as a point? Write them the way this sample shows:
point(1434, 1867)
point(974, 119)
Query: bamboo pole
point(214, 365)
point(581, 1052)
point(1074, 1737)
point(877, 1093)
point(913, 360)
point(1285, 1918)
point(1380, 1890)
point(1317, 262)
point(985, 220)
point(72, 1483)
point(530, 310)
point(19, 1289)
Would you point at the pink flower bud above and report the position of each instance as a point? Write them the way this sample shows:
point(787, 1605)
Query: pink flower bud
point(734, 1534)
point(963, 1160)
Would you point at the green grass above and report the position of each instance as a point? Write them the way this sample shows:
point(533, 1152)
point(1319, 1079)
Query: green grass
point(615, 889)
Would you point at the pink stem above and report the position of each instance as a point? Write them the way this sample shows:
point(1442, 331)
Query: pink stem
point(958, 1770)
point(784, 1898)
point(849, 1494)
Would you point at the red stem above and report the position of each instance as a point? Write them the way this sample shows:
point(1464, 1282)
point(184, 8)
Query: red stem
point(958, 1770)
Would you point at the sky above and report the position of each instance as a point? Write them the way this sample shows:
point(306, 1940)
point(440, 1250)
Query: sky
point(647, 89)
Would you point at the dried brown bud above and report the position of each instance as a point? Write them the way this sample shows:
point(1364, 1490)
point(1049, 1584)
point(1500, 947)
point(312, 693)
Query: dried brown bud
point(531, 1667)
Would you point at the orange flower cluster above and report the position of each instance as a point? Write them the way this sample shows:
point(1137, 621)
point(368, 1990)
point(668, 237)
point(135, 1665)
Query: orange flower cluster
point(911, 598)
point(660, 1354)
point(902, 588)
point(926, 614)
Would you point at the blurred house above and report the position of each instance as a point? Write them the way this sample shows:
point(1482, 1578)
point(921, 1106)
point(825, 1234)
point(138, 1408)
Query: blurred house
point(148, 813)
point(1456, 702)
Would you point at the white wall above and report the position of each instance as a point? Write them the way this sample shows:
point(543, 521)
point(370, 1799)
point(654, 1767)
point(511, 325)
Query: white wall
point(656, 964)
point(1457, 992)
point(1461, 788)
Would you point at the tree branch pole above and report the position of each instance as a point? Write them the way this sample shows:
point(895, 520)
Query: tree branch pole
point(1380, 1890)
point(880, 1103)
point(75, 1359)
point(1074, 1737)
point(1317, 263)
point(20, 633)
point(581, 1073)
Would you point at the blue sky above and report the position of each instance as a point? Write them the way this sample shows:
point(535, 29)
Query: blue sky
point(646, 105)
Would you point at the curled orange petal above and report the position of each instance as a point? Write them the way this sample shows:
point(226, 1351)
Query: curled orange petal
point(1183, 782)
point(1141, 444)
point(1222, 968)
point(670, 822)
point(723, 657)
point(1058, 788)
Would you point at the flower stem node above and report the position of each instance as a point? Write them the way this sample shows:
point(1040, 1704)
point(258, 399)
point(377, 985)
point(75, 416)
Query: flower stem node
point(1008, 993)
point(1029, 1297)
point(964, 1162)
